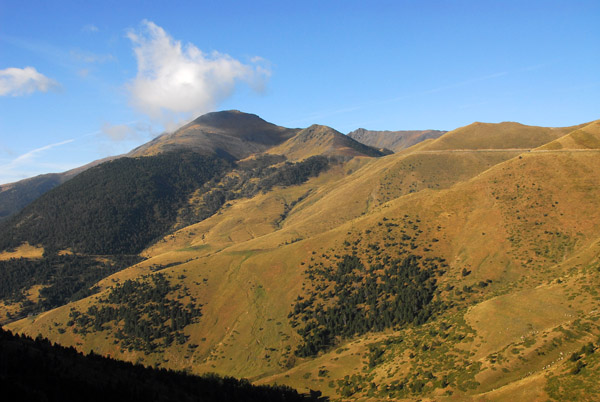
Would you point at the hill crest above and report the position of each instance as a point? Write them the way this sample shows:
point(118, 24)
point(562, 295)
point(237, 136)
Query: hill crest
point(323, 140)
point(393, 140)
point(505, 135)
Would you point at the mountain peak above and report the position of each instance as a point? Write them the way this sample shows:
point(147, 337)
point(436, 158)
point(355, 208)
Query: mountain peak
point(228, 133)
point(225, 118)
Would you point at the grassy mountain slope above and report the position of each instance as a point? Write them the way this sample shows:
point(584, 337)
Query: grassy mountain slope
point(518, 233)
point(393, 140)
point(586, 137)
point(505, 135)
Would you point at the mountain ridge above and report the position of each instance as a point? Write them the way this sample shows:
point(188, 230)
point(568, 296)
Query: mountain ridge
point(393, 140)
point(323, 140)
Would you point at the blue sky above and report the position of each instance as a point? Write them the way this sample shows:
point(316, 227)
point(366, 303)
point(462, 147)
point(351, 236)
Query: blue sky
point(83, 80)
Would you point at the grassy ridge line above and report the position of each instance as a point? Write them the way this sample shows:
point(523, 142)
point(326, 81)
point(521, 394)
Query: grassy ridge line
point(499, 136)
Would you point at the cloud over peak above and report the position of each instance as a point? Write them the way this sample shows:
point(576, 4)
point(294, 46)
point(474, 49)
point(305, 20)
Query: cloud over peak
point(24, 81)
point(175, 81)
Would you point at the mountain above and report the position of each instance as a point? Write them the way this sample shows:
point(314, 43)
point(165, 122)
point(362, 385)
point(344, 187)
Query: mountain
point(117, 207)
point(393, 140)
point(231, 134)
point(461, 268)
point(15, 196)
point(323, 140)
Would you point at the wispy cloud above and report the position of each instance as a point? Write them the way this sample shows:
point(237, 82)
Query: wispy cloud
point(120, 132)
point(27, 157)
point(49, 51)
point(399, 98)
point(90, 57)
point(465, 83)
point(89, 28)
point(24, 81)
point(27, 164)
point(174, 81)
point(72, 60)
point(314, 117)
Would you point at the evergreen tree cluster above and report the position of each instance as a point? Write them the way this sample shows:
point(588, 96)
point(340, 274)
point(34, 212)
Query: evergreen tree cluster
point(35, 370)
point(358, 299)
point(64, 278)
point(21, 193)
point(249, 178)
point(141, 314)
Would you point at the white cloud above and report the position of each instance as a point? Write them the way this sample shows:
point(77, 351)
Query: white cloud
point(23, 81)
point(174, 82)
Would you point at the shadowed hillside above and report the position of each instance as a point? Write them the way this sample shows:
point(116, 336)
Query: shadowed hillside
point(15, 196)
point(36, 370)
point(118, 207)
point(393, 140)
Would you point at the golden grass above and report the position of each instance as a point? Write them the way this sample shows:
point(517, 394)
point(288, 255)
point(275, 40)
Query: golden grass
point(521, 221)
point(584, 138)
point(23, 251)
point(505, 135)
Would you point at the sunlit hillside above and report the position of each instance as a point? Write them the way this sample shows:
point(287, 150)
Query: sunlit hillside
point(470, 264)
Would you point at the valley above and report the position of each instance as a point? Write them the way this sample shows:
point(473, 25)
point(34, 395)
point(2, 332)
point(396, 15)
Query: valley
point(464, 266)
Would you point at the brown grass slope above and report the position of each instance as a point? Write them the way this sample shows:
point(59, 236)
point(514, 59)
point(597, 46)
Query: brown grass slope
point(227, 133)
point(502, 226)
point(530, 224)
point(393, 140)
point(586, 137)
point(323, 140)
